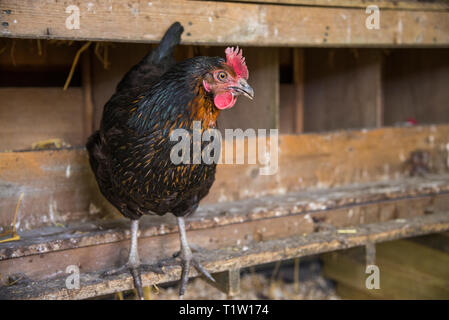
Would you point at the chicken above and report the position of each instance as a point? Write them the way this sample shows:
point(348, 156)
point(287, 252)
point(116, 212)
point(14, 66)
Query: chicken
point(130, 153)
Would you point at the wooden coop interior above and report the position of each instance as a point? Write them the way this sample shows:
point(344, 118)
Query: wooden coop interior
point(363, 117)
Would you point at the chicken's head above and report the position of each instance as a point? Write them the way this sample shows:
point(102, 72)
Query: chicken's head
point(229, 81)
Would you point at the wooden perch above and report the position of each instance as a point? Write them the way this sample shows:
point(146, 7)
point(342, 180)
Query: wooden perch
point(93, 284)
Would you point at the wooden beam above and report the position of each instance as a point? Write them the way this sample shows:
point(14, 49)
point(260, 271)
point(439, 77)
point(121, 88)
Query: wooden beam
point(223, 23)
point(298, 80)
point(383, 4)
point(223, 259)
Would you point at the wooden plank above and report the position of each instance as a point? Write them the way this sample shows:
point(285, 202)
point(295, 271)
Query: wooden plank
point(303, 213)
point(342, 89)
point(383, 4)
point(29, 115)
point(223, 23)
point(59, 187)
point(333, 159)
point(94, 284)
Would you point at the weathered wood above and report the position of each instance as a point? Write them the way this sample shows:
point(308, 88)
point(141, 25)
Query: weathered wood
point(303, 213)
point(38, 254)
point(93, 284)
point(228, 281)
point(383, 4)
point(223, 23)
point(59, 186)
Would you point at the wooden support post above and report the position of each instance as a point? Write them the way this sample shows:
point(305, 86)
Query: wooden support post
point(88, 122)
point(298, 79)
point(228, 281)
point(378, 87)
point(409, 269)
point(370, 253)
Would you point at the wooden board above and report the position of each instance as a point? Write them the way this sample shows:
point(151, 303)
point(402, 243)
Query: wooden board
point(58, 185)
point(93, 284)
point(342, 89)
point(224, 23)
point(29, 115)
point(383, 4)
point(249, 220)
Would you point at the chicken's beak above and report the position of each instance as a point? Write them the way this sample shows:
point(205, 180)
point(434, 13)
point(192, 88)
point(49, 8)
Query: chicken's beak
point(244, 88)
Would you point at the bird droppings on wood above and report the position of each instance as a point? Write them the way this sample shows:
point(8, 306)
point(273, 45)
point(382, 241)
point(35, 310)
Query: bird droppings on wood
point(225, 258)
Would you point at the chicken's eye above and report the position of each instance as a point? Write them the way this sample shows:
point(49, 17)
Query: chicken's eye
point(222, 75)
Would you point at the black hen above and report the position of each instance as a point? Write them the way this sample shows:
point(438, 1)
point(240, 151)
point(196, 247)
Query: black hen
point(130, 154)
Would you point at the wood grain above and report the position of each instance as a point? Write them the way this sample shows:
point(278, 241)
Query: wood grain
point(383, 4)
point(224, 23)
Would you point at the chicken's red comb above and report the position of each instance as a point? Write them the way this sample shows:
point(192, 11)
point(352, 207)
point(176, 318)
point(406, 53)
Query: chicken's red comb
point(235, 60)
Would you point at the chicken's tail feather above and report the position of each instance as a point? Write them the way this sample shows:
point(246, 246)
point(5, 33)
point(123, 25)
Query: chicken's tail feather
point(155, 63)
point(168, 43)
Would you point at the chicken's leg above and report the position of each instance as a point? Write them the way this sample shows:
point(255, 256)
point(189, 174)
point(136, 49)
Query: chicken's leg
point(187, 259)
point(133, 259)
point(133, 264)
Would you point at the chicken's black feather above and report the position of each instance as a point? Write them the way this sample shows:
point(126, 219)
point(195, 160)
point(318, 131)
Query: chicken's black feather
point(130, 154)
point(155, 63)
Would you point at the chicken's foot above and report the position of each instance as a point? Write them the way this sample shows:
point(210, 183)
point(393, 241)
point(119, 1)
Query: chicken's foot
point(134, 265)
point(187, 259)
